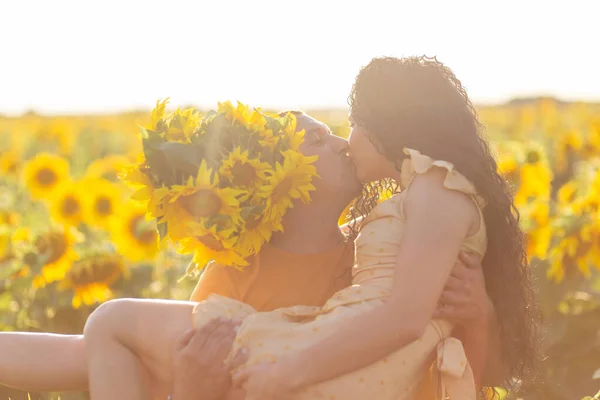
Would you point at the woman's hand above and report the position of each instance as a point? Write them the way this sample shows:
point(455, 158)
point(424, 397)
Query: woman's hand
point(464, 300)
point(263, 382)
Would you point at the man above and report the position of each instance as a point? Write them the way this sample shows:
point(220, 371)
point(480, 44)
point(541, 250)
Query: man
point(305, 265)
point(309, 262)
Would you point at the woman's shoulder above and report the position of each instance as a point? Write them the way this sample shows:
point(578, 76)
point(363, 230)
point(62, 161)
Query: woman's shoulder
point(436, 173)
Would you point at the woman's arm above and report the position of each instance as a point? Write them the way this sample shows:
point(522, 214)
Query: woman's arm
point(438, 219)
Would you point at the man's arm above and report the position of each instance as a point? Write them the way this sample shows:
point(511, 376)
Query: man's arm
point(466, 303)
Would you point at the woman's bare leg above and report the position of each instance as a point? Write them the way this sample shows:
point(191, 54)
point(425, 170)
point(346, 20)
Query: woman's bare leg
point(39, 362)
point(130, 345)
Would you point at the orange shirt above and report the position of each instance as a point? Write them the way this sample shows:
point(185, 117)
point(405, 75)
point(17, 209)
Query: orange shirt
point(276, 278)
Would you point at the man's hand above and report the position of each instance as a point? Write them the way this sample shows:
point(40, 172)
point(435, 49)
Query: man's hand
point(464, 300)
point(199, 369)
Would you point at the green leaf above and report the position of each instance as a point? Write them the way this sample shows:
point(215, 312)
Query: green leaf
point(143, 132)
point(162, 230)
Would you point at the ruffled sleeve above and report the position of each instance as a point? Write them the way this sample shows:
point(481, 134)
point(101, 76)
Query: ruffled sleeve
point(417, 163)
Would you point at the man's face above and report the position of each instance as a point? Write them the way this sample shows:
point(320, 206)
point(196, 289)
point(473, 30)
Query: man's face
point(334, 166)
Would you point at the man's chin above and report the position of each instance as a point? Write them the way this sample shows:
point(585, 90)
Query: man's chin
point(353, 187)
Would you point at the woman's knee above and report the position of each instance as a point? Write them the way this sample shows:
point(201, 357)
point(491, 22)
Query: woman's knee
point(108, 320)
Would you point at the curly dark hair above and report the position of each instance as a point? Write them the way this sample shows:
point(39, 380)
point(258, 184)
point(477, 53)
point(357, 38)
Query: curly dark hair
point(417, 102)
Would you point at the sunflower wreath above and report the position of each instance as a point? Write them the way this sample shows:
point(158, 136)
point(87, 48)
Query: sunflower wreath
point(219, 184)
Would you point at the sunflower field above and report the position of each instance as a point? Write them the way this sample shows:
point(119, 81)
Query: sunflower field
point(72, 237)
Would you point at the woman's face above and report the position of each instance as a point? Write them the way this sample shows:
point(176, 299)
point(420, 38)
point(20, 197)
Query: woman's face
point(370, 164)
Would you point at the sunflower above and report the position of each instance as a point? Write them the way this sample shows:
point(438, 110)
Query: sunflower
point(43, 173)
point(9, 163)
point(198, 200)
point(182, 124)
point(295, 138)
point(535, 177)
point(257, 231)
point(144, 193)
point(290, 181)
point(134, 236)
point(212, 245)
point(102, 199)
point(256, 121)
point(55, 253)
point(60, 131)
point(107, 168)
point(240, 114)
point(567, 145)
point(158, 115)
point(90, 278)
point(6, 253)
point(9, 218)
point(567, 192)
point(243, 172)
point(571, 251)
point(66, 205)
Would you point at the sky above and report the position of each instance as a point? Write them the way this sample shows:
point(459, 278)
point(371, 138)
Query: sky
point(114, 55)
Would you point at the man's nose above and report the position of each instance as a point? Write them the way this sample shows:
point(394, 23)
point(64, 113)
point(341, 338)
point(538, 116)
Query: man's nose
point(339, 145)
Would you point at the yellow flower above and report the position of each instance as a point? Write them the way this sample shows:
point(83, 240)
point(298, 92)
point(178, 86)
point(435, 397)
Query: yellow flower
point(242, 172)
point(158, 115)
point(567, 145)
point(144, 193)
point(567, 192)
point(571, 251)
point(5, 249)
point(43, 173)
point(107, 168)
point(54, 251)
point(536, 178)
point(60, 131)
point(66, 205)
point(182, 124)
point(212, 245)
point(538, 228)
point(102, 200)
point(134, 236)
point(240, 114)
point(290, 181)
point(90, 278)
point(21, 234)
point(295, 138)
point(508, 168)
point(9, 218)
point(197, 200)
point(256, 232)
point(538, 241)
point(256, 121)
point(9, 163)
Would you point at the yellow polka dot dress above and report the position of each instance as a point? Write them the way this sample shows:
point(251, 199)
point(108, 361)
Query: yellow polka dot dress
point(271, 335)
